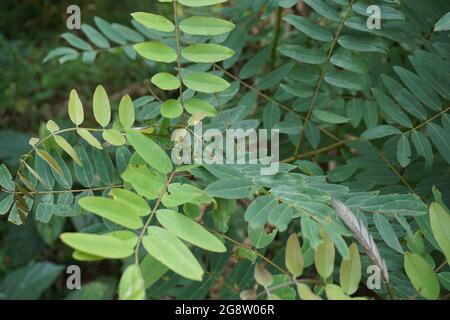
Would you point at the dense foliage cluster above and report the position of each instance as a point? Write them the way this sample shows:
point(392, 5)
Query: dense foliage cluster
point(358, 209)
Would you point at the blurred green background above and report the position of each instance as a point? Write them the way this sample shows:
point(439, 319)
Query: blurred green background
point(32, 92)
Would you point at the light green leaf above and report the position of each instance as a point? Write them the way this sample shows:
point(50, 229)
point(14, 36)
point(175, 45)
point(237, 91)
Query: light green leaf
point(98, 245)
point(171, 109)
point(324, 257)
point(165, 81)
point(205, 26)
point(189, 230)
point(89, 138)
point(294, 256)
point(170, 251)
point(126, 112)
point(195, 106)
point(131, 285)
point(205, 82)
point(150, 151)
point(263, 276)
point(422, 276)
point(50, 161)
point(76, 112)
point(102, 108)
point(154, 21)
point(152, 270)
point(147, 183)
point(305, 292)
point(350, 271)
point(131, 200)
point(206, 53)
point(335, 292)
point(112, 210)
point(114, 137)
point(440, 225)
point(67, 147)
point(156, 51)
point(200, 3)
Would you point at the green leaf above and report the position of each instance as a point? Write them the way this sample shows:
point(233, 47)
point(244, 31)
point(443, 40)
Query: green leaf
point(131, 285)
point(76, 112)
point(420, 88)
point(147, 183)
point(102, 108)
point(206, 53)
point(165, 81)
point(259, 210)
point(263, 276)
point(423, 147)
point(323, 9)
point(309, 28)
point(156, 51)
point(345, 79)
point(152, 270)
point(150, 151)
point(379, 132)
point(189, 230)
point(89, 138)
point(441, 139)
point(50, 160)
point(387, 12)
point(6, 178)
point(99, 245)
point(112, 210)
point(324, 257)
point(305, 292)
point(362, 43)
point(76, 42)
point(329, 117)
point(205, 82)
point(103, 167)
point(294, 256)
point(31, 281)
point(114, 137)
point(404, 151)
point(6, 203)
point(341, 173)
point(170, 251)
point(350, 271)
point(443, 24)
point(171, 109)
point(154, 21)
point(200, 3)
point(259, 238)
point(131, 200)
point(126, 112)
point(422, 276)
point(195, 106)
point(387, 232)
point(310, 56)
point(335, 292)
point(205, 26)
point(85, 173)
point(440, 225)
point(255, 64)
point(230, 188)
point(390, 109)
point(95, 37)
point(67, 147)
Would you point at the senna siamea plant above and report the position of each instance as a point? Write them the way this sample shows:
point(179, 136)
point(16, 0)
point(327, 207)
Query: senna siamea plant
point(358, 208)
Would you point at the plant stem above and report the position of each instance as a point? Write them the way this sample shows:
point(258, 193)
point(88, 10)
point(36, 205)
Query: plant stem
point(277, 36)
point(177, 39)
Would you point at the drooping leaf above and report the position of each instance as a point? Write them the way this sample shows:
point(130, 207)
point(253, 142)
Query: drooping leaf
point(440, 225)
point(189, 230)
point(422, 276)
point(131, 285)
point(150, 151)
point(350, 271)
point(294, 256)
point(112, 210)
point(76, 112)
point(170, 251)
